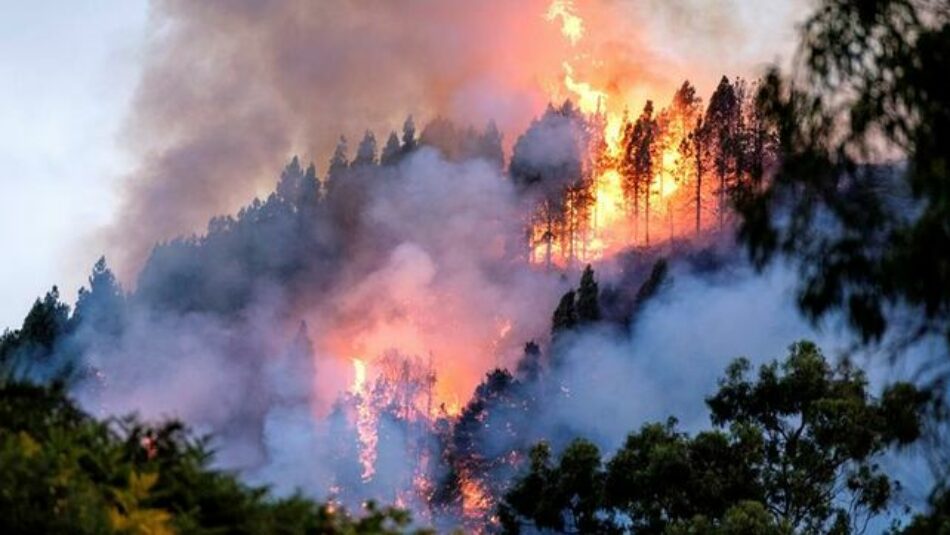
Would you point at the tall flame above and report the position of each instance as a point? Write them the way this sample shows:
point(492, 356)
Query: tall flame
point(572, 26)
point(365, 420)
point(616, 219)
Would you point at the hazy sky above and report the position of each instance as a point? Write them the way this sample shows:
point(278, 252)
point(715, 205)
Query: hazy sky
point(67, 70)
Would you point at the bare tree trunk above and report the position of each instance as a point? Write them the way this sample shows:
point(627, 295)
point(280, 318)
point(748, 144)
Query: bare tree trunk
point(699, 187)
point(647, 214)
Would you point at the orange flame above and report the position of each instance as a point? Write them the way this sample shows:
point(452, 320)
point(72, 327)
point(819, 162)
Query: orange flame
point(572, 26)
point(365, 420)
point(615, 221)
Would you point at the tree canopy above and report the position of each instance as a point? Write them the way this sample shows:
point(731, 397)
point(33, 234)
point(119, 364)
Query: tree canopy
point(870, 236)
point(795, 448)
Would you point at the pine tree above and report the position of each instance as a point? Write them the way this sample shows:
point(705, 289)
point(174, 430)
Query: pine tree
point(721, 124)
point(641, 158)
point(565, 315)
point(309, 194)
point(587, 308)
point(101, 307)
point(290, 182)
point(391, 151)
point(338, 166)
point(366, 152)
point(409, 141)
point(46, 321)
point(694, 147)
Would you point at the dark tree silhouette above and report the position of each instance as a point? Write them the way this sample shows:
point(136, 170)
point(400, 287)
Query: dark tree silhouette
point(409, 141)
point(640, 162)
point(366, 152)
point(101, 307)
point(721, 125)
point(795, 447)
point(587, 307)
point(392, 151)
point(339, 164)
point(565, 315)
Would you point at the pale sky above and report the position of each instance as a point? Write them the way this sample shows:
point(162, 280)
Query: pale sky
point(67, 71)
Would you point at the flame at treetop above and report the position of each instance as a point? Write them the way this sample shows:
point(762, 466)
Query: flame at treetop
point(638, 186)
point(572, 26)
point(637, 194)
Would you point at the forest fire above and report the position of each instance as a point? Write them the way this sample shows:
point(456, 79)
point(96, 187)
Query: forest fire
point(366, 419)
point(503, 307)
point(642, 181)
point(622, 181)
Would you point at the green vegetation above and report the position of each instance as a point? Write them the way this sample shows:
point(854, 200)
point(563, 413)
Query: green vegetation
point(64, 472)
point(872, 240)
point(795, 449)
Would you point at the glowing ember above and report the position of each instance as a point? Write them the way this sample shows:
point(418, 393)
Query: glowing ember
point(475, 499)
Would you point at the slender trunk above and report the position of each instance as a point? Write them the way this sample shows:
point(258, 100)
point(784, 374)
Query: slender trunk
point(722, 199)
point(572, 214)
point(646, 210)
point(699, 187)
point(548, 237)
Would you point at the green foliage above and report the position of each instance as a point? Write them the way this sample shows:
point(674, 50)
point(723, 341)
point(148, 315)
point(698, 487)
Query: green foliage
point(101, 307)
point(869, 239)
point(936, 522)
point(821, 430)
point(792, 445)
point(46, 320)
point(64, 472)
point(565, 497)
point(30, 349)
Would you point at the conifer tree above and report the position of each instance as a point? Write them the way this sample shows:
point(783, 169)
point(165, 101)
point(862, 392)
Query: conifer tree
point(642, 163)
point(290, 182)
point(101, 306)
point(366, 152)
point(721, 124)
point(338, 166)
point(587, 307)
point(409, 141)
point(391, 151)
point(309, 194)
point(565, 315)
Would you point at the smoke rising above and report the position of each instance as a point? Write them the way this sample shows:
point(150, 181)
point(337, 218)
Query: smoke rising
point(231, 89)
point(249, 328)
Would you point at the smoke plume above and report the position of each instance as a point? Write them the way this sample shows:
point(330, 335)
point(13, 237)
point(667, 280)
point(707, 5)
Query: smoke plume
point(231, 89)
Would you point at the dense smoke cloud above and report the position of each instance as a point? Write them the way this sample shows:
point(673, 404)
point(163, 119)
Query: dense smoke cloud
point(231, 89)
point(426, 265)
point(249, 331)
